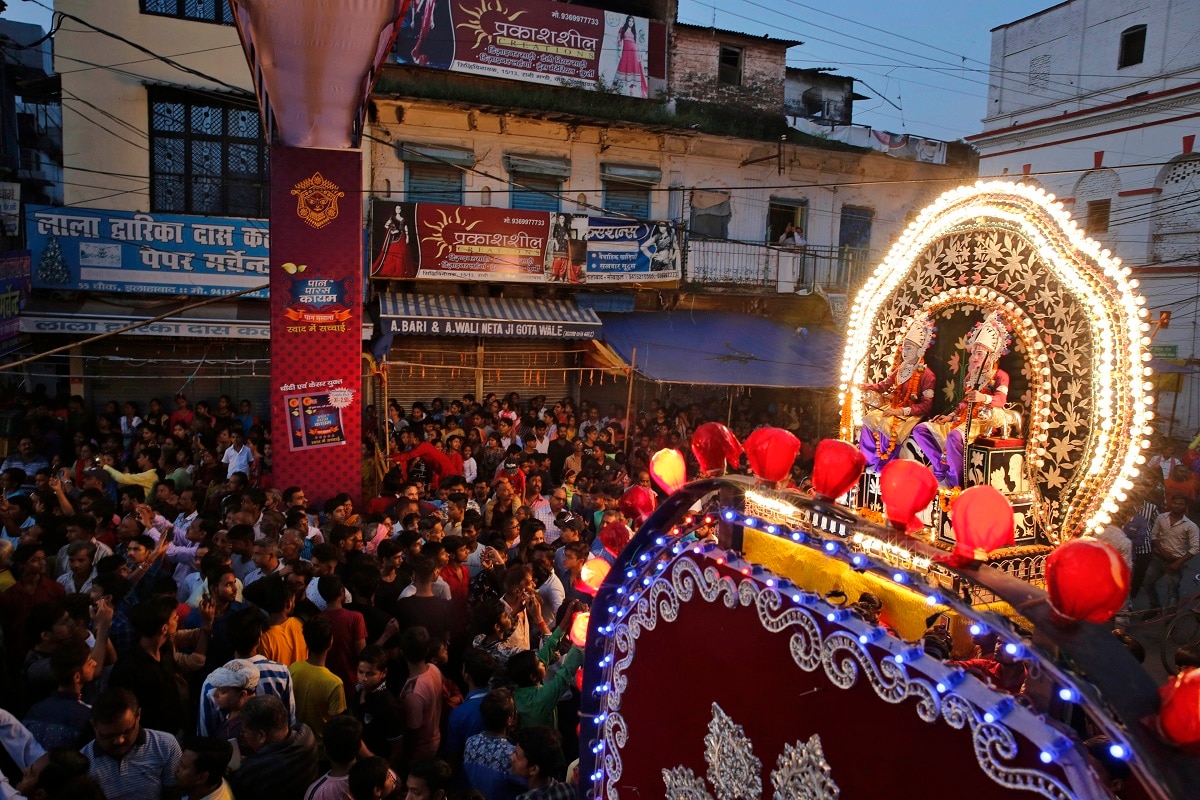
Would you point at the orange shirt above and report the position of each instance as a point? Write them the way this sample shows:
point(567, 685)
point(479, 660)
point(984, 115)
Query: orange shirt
point(284, 643)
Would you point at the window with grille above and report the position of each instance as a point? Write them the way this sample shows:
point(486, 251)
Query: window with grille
point(628, 199)
point(433, 183)
point(729, 66)
point(216, 11)
point(207, 156)
point(1133, 46)
point(1097, 216)
point(536, 192)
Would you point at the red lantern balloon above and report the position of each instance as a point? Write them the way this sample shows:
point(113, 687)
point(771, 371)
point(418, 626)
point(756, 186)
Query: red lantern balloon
point(714, 445)
point(837, 467)
point(669, 470)
point(579, 628)
point(592, 574)
point(614, 536)
point(908, 488)
point(637, 504)
point(1179, 715)
point(771, 453)
point(579, 681)
point(1087, 579)
point(982, 520)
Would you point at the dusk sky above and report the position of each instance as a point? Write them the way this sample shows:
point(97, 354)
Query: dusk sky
point(929, 57)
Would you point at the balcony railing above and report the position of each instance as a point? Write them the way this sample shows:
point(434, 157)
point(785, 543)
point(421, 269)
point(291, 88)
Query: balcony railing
point(778, 269)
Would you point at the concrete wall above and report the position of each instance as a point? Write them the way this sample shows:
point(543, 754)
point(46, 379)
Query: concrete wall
point(686, 160)
point(95, 140)
point(1075, 46)
point(1094, 131)
point(695, 56)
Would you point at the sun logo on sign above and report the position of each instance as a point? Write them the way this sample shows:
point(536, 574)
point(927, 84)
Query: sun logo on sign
point(481, 21)
point(443, 230)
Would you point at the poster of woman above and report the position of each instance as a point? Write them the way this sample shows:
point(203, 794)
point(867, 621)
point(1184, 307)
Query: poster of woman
point(624, 55)
point(397, 253)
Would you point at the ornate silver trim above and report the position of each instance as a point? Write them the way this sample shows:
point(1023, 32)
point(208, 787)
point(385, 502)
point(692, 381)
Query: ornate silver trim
point(801, 771)
point(840, 654)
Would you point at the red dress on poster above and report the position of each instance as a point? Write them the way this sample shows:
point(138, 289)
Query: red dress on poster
point(630, 77)
point(395, 259)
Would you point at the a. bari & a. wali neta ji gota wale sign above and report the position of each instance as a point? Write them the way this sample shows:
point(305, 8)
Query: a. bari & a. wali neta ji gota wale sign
point(470, 243)
point(537, 41)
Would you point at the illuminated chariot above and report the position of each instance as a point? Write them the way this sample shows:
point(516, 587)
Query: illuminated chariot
point(817, 647)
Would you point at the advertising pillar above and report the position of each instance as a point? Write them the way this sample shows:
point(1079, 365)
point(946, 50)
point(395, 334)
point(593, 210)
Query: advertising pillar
point(316, 320)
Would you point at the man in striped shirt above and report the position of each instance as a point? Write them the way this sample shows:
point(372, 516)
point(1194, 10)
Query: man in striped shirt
point(129, 762)
point(246, 627)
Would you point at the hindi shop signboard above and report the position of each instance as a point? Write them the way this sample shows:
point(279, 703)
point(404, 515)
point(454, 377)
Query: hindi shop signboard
point(14, 291)
point(535, 41)
point(468, 243)
point(120, 251)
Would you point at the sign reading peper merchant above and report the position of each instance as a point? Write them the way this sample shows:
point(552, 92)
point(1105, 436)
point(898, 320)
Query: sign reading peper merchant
point(119, 251)
point(537, 41)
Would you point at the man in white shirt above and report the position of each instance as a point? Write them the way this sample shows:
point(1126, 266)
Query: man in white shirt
point(792, 237)
point(237, 457)
point(1174, 540)
point(541, 437)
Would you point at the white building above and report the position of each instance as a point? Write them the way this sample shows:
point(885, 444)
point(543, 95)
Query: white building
point(1099, 102)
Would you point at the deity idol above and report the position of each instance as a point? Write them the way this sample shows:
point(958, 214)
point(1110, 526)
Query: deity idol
point(902, 399)
point(985, 387)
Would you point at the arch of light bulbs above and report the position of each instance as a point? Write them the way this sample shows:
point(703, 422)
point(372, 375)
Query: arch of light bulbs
point(1121, 402)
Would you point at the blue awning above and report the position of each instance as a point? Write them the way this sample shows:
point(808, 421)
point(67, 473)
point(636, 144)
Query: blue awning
point(456, 315)
point(725, 349)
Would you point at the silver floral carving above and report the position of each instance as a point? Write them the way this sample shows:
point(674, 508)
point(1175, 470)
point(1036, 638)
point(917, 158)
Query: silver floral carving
point(843, 658)
point(802, 773)
point(735, 773)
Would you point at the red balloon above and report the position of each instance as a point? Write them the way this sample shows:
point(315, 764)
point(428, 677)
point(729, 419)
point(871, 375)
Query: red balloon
point(592, 575)
point(1179, 715)
point(614, 536)
point(771, 453)
point(1087, 579)
point(579, 629)
point(637, 504)
point(982, 520)
point(669, 470)
point(837, 467)
point(908, 488)
point(714, 445)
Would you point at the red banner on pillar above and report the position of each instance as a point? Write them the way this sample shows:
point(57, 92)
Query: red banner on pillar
point(316, 319)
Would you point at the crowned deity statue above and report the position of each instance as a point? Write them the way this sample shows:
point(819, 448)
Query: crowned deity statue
point(943, 438)
point(902, 399)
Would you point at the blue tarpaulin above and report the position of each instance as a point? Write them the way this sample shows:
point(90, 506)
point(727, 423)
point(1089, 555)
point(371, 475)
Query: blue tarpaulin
point(725, 349)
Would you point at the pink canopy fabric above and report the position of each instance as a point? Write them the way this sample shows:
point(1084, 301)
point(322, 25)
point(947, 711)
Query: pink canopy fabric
point(314, 63)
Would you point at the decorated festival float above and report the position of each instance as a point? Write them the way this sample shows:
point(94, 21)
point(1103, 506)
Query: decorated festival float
point(929, 619)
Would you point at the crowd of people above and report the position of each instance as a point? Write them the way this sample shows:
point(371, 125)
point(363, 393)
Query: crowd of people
point(175, 624)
